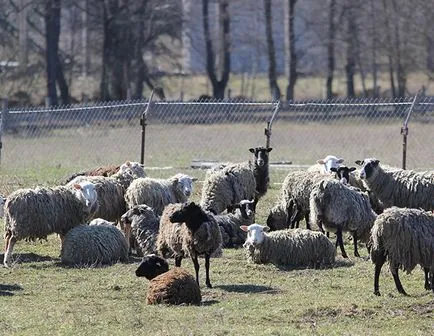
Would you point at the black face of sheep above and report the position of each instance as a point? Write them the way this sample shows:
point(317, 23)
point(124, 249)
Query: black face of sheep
point(261, 155)
point(368, 167)
point(191, 214)
point(152, 266)
point(246, 208)
point(343, 173)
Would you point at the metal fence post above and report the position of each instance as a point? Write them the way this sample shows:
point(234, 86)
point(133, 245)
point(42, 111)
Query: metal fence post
point(404, 132)
point(143, 124)
point(267, 130)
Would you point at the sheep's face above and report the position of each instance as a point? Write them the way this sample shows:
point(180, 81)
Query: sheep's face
point(260, 155)
point(255, 234)
point(133, 168)
point(185, 182)
point(343, 173)
point(86, 192)
point(330, 161)
point(369, 167)
point(246, 208)
point(152, 266)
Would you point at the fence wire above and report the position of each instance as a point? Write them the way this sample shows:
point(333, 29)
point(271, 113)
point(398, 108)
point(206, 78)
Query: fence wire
point(182, 134)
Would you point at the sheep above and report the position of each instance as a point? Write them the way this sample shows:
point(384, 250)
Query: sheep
point(338, 208)
point(405, 238)
point(398, 187)
point(297, 247)
point(144, 225)
point(242, 214)
point(36, 213)
point(293, 202)
point(94, 245)
point(157, 193)
point(187, 229)
point(136, 167)
point(323, 166)
point(235, 182)
point(175, 286)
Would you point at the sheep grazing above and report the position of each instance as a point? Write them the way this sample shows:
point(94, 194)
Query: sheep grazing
point(323, 166)
point(293, 202)
point(36, 213)
point(298, 247)
point(405, 238)
point(242, 214)
point(94, 245)
point(398, 187)
point(236, 182)
point(175, 286)
point(157, 193)
point(337, 208)
point(143, 226)
point(186, 229)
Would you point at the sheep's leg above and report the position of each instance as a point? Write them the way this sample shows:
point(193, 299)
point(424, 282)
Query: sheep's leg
point(307, 219)
point(394, 271)
point(127, 233)
point(196, 267)
point(8, 253)
point(427, 284)
point(178, 260)
point(356, 252)
point(340, 242)
point(432, 280)
point(379, 262)
point(208, 281)
point(7, 237)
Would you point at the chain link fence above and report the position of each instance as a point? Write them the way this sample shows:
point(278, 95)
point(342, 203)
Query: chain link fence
point(182, 134)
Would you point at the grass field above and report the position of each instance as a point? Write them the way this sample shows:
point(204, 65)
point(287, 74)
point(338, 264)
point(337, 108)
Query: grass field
point(40, 297)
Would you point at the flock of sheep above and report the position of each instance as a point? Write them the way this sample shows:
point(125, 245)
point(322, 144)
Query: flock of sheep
point(388, 209)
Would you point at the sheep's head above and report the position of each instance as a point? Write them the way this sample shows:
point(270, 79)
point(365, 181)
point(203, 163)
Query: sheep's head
point(184, 182)
point(152, 266)
point(255, 234)
point(369, 166)
point(330, 161)
point(135, 169)
point(260, 155)
point(191, 214)
point(343, 173)
point(246, 208)
point(86, 192)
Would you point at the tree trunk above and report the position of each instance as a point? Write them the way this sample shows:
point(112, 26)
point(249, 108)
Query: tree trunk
point(292, 56)
point(350, 62)
point(52, 33)
point(219, 85)
point(389, 49)
point(375, 90)
point(331, 49)
point(23, 35)
point(85, 39)
point(272, 76)
point(61, 81)
point(400, 70)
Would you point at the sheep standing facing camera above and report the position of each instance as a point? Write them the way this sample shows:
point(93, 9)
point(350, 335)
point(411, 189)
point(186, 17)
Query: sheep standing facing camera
point(175, 286)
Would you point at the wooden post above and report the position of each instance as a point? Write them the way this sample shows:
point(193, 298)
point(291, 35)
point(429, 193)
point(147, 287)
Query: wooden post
point(404, 132)
point(143, 124)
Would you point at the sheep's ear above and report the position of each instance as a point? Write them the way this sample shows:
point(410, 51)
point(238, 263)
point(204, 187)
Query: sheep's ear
point(359, 162)
point(128, 163)
point(376, 162)
point(352, 169)
point(245, 228)
point(340, 160)
point(320, 161)
point(252, 150)
point(194, 179)
point(76, 186)
point(334, 169)
point(266, 229)
point(269, 149)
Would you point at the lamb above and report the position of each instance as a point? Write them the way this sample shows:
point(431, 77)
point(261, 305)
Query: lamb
point(36, 213)
point(144, 225)
point(398, 187)
point(405, 238)
point(175, 286)
point(337, 208)
point(186, 229)
point(235, 182)
point(157, 193)
point(293, 203)
point(242, 214)
point(298, 247)
point(323, 166)
point(94, 245)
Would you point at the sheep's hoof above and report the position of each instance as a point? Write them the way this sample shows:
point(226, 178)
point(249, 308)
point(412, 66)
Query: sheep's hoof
point(344, 255)
point(377, 293)
point(208, 284)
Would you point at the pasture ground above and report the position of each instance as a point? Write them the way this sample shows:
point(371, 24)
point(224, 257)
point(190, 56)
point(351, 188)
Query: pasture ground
point(40, 297)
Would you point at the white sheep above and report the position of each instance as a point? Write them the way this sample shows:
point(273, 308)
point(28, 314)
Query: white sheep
point(188, 230)
point(323, 166)
point(337, 207)
point(36, 213)
point(157, 193)
point(405, 238)
point(236, 182)
point(297, 247)
point(398, 187)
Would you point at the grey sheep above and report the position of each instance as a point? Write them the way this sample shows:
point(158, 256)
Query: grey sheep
point(398, 187)
point(297, 247)
point(405, 238)
point(188, 230)
point(230, 223)
point(337, 208)
point(293, 202)
point(157, 193)
point(236, 182)
point(36, 213)
point(94, 245)
point(175, 286)
point(143, 225)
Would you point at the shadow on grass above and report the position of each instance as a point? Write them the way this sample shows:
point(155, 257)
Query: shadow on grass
point(208, 302)
point(8, 290)
point(28, 258)
point(338, 263)
point(248, 289)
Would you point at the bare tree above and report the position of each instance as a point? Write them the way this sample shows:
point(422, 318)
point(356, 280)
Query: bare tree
point(350, 48)
point(331, 48)
point(292, 56)
point(272, 76)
